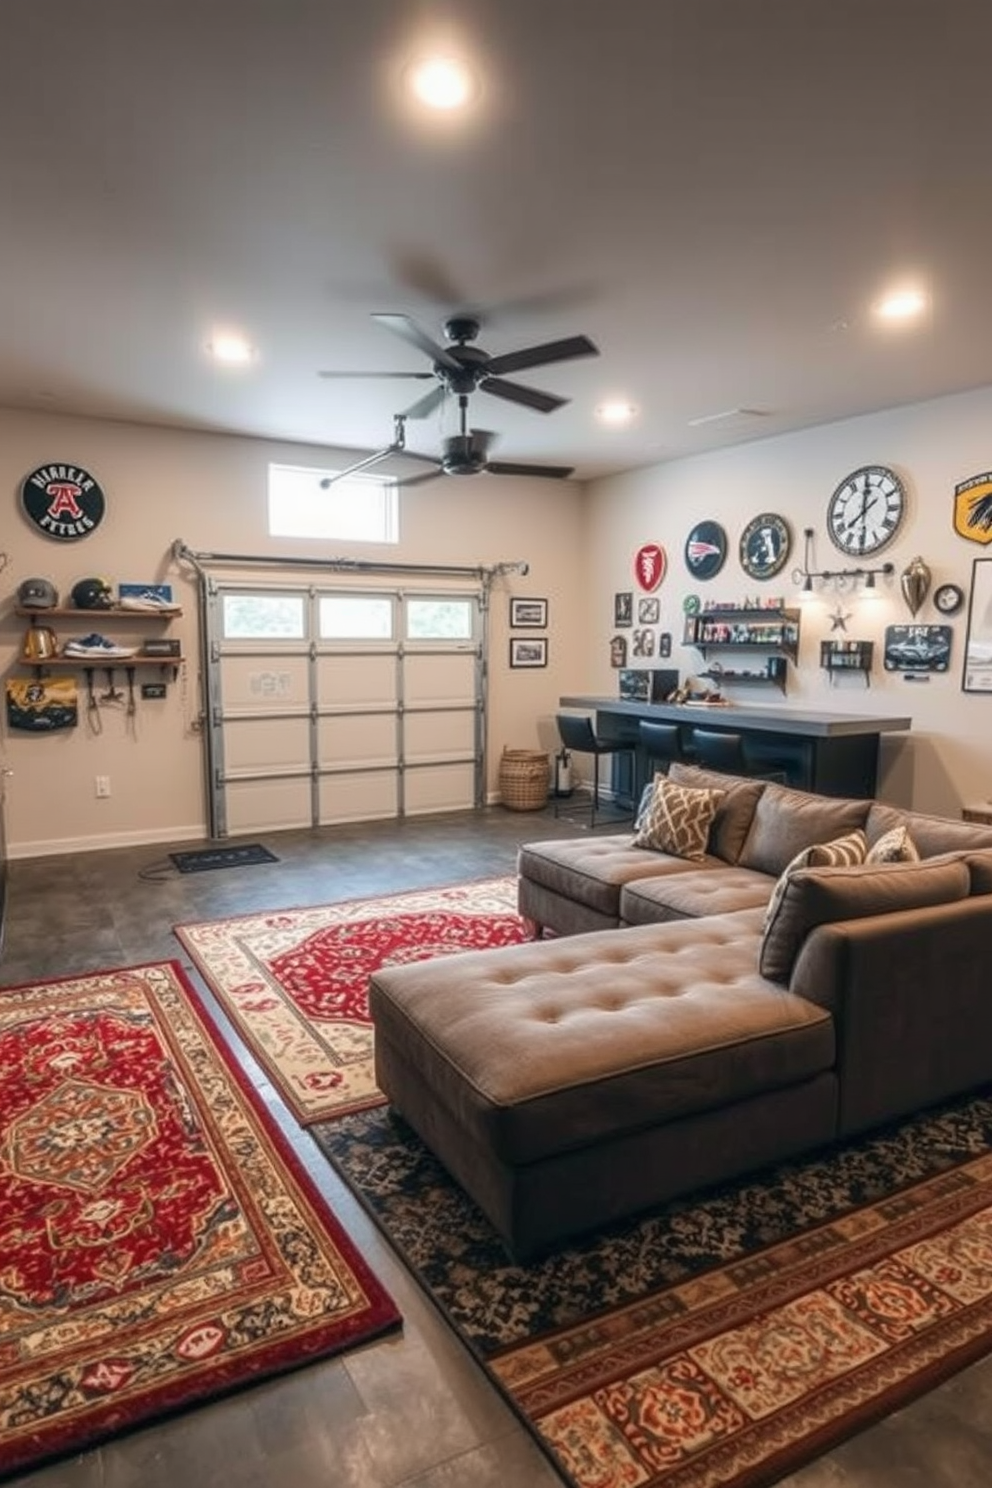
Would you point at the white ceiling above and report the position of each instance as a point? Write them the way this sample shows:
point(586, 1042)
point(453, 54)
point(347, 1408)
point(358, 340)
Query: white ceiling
point(714, 190)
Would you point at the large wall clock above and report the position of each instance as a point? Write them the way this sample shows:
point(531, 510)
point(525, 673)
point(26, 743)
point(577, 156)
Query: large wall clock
point(765, 545)
point(866, 510)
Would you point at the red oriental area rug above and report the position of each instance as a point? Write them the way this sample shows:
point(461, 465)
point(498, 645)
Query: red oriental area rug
point(159, 1242)
point(295, 981)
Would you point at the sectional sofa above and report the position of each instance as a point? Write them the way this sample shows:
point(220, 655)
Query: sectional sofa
point(695, 1017)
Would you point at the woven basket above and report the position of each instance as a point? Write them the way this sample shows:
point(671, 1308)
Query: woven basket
point(524, 776)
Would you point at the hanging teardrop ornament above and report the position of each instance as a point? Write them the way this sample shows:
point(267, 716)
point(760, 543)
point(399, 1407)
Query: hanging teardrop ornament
point(914, 581)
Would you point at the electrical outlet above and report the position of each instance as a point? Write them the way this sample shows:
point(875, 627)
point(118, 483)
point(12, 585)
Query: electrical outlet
point(103, 786)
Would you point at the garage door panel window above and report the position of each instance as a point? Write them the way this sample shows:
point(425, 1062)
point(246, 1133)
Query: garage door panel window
point(356, 617)
point(440, 619)
point(263, 617)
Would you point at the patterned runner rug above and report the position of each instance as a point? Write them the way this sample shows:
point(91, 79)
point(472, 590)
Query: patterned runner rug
point(160, 1242)
point(294, 981)
point(727, 1339)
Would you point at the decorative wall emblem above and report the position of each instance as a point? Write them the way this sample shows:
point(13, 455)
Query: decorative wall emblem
point(65, 502)
point(705, 550)
point(973, 508)
point(650, 564)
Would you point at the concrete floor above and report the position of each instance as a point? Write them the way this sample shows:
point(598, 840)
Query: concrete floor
point(413, 1409)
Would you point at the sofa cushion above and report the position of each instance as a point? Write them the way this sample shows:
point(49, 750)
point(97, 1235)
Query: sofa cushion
point(786, 821)
point(819, 896)
point(592, 870)
point(683, 896)
point(842, 852)
point(931, 834)
point(547, 1047)
point(894, 846)
point(734, 813)
point(678, 819)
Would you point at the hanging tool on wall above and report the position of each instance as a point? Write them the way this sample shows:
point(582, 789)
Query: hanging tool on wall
point(113, 694)
point(132, 709)
point(93, 717)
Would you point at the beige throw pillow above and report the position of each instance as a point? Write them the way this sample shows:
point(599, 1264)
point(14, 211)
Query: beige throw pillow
point(678, 819)
point(842, 852)
point(894, 847)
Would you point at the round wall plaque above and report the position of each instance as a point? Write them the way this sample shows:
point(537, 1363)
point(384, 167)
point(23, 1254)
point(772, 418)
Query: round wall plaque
point(65, 502)
point(705, 550)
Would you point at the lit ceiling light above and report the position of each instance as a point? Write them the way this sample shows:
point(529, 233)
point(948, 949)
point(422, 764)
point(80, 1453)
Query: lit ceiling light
point(616, 413)
point(901, 305)
point(442, 83)
point(231, 349)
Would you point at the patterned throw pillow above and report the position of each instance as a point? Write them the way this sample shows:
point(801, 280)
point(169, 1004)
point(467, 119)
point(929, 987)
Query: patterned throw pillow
point(894, 847)
point(841, 853)
point(678, 819)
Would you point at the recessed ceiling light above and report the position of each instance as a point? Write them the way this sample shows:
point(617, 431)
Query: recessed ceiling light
point(901, 304)
point(442, 83)
point(616, 412)
point(231, 349)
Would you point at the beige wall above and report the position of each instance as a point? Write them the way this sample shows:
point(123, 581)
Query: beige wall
point(210, 491)
point(947, 757)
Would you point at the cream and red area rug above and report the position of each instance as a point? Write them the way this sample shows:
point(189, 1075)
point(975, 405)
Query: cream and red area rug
point(728, 1338)
point(159, 1242)
point(294, 982)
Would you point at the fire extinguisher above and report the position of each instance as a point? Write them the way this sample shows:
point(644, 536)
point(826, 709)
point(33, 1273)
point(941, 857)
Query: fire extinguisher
point(563, 773)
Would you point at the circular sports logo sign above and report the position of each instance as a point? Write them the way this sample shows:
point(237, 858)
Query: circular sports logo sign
point(63, 501)
point(705, 550)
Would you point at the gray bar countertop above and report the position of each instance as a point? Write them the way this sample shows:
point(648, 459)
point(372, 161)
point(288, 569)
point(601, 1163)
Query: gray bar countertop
point(737, 715)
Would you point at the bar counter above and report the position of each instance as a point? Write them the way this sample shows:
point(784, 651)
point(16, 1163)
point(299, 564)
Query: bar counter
point(835, 754)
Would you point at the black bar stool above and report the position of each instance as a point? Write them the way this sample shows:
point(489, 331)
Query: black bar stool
point(661, 742)
point(727, 752)
point(579, 737)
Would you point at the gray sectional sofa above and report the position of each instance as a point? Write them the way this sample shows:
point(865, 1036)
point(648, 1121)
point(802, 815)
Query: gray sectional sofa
point(670, 1033)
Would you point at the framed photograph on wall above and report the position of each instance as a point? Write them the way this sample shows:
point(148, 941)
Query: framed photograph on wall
point(977, 675)
point(623, 608)
point(528, 651)
point(528, 614)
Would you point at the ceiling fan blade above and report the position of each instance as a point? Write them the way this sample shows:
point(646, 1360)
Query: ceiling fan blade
point(515, 392)
point(426, 405)
point(375, 374)
point(509, 467)
point(408, 330)
point(541, 356)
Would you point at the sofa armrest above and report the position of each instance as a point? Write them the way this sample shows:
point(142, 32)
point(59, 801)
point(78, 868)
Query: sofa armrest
point(911, 1006)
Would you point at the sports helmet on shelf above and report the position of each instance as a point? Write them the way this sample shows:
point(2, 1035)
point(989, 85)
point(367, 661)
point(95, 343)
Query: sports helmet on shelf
point(92, 594)
point(37, 594)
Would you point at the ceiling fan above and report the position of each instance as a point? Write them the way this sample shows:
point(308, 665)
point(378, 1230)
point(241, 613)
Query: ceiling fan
point(464, 453)
point(462, 369)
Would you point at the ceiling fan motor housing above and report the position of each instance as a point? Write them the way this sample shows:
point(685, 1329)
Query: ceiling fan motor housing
point(464, 454)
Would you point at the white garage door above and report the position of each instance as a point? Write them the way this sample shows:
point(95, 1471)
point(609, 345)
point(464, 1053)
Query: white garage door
point(334, 704)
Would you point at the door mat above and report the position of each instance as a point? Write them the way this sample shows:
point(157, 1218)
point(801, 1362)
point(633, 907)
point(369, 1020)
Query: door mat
point(204, 858)
point(294, 981)
point(161, 1242)
point(724, 1339)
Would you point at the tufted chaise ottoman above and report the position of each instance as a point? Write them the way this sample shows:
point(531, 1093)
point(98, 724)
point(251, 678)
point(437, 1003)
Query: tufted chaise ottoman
point(568, 1083)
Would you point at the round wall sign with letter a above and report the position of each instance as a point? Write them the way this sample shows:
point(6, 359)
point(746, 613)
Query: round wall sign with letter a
point(63, 501)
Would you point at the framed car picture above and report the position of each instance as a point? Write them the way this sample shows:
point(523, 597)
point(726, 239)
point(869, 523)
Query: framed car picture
point(977, 676)
point(917, 648)
point(528, 651)
point(528, 614)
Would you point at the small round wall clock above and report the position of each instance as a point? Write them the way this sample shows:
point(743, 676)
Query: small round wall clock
point(866, 510)
point(705, 550)
point(948, 598)
point(765, 545)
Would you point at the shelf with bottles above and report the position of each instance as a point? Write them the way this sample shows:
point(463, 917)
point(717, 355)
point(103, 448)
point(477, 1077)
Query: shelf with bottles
point(837, 657)
point(727, 627)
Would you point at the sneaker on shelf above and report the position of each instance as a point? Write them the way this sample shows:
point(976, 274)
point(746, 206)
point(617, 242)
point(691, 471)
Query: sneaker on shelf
point(96, 647)
point(148, 600)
